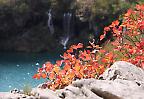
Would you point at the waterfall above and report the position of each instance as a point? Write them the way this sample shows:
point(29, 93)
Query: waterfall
point(64, 41)
point(67, 28)
point(64, 23)
point(67, 22)
point(50, 22)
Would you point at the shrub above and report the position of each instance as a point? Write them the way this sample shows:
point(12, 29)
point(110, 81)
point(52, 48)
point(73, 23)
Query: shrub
point(129, 36)
point(89, 62)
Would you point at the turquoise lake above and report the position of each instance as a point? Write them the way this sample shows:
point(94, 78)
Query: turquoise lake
point(17, 69)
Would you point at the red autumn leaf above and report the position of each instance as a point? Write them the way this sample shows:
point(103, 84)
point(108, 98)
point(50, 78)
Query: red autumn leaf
point(104, 60)
point(102, 37)
point(52, 76)
point(142, 27)
point(80, 45)
point(88, 51)
point(67, 67)
point(62, 73)
point(97, 47)
point(85, 56)
point(40, 70)
point(44, 75)
point(34, 76)
point(48, 66)
point(37, 76)
point(56, 69)
point(129, 12)
point(67, 56)
point(106, 29)
point(90, 67)
point(59, 62)
point(114, 23)
point(58, 81)
point(71, 74)
point(77, 67)
point(102, 69)
point(102, 51)
point(140, 7)
point(74, 47)
point(89, 47)
point(78, 75)
point(142, 64)
point(70, 50)
point(65, 80)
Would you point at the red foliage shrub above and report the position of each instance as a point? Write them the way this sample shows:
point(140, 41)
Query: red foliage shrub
point(78, 63)
point(129, 36)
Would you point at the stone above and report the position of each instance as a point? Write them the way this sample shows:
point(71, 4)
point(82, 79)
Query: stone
point(45, 93)
point(15, 90)
point(8, 95)
point(124, 70)
point(103, 89)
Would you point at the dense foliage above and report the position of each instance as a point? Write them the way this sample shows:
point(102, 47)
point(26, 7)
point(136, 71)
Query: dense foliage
point(89, 62)
point(129, 37)
point(25, 22)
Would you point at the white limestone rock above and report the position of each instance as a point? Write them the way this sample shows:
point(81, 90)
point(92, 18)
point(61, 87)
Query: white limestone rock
point(45, 93)
point(108, 89)
point(126, 71)
point(8, 95)
point(78, 93)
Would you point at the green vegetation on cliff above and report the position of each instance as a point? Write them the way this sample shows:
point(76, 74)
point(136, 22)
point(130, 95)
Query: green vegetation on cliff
point(24, 22)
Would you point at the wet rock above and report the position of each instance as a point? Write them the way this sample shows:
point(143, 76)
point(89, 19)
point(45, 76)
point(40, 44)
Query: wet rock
point(15, 90)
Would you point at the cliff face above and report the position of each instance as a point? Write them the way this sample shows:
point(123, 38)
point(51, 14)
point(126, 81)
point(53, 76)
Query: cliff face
point(24, 23)
point(18, 21)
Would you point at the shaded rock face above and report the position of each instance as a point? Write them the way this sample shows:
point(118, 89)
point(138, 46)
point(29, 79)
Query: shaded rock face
point(30, 42)
point(121, 81)
point(23, 25)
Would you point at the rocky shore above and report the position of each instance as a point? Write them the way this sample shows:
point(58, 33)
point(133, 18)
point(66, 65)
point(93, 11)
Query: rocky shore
point(121, 81)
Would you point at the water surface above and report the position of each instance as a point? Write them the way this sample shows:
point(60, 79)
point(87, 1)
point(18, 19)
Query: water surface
point(17, 69)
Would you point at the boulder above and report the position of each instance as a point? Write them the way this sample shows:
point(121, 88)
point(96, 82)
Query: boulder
point(45, 93)
point(108, 89)
point(124, 70)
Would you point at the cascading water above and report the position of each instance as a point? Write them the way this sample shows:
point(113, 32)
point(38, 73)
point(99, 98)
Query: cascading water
point(64, 41)
point(50, 22)
point(66, 22)
point(69, 23)
point(67, 28)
